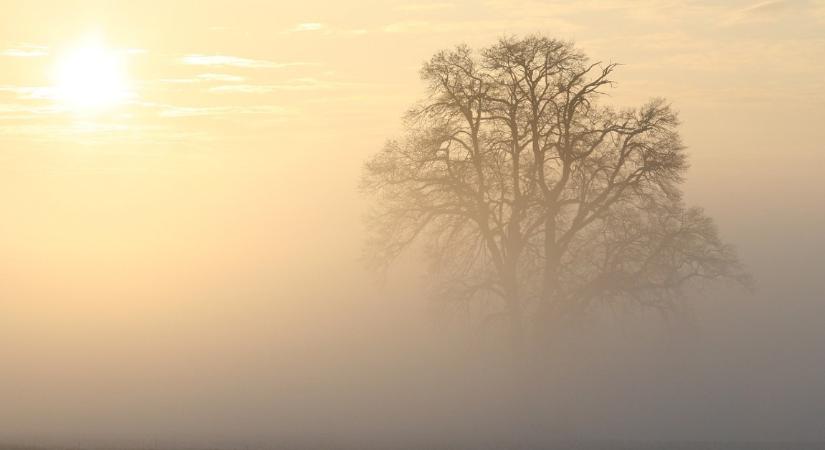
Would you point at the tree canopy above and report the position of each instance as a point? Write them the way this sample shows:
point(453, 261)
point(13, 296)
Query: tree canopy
point(532, 197)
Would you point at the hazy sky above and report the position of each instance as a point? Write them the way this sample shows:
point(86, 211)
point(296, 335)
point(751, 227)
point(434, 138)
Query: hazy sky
point(212, 210)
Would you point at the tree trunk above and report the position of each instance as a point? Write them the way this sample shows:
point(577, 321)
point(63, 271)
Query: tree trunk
point(514, 305)
point(552, 263)
point(516, 327)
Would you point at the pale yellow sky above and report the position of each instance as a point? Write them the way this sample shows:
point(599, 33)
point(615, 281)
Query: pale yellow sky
point(247, 123)
point(228, 176)
point(263, 93)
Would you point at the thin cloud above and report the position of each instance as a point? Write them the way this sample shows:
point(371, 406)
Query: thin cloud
point(13, 111)
point(767, 11)
point(196, 111)
point(26, 51)
point(307, 26)
point(181, 80)
point(649, 11)
point(30, 92)
point(298, 84)
point(235, 61)
point(220, 77)
point(317, 27)
point(480, 26)
point(206, 78)
point(245, 88)
point(425, 7)
point(819, 10)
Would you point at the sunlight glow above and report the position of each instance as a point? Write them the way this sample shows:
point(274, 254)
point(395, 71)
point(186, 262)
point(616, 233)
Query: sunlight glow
point(91, 77)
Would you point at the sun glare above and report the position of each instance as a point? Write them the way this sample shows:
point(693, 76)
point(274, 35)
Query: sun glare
point(91, 77)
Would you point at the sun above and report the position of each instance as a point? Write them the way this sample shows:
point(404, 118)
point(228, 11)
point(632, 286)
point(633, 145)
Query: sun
point(90, 77)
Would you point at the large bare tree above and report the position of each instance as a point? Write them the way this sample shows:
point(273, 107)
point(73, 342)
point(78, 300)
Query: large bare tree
point(533, 198)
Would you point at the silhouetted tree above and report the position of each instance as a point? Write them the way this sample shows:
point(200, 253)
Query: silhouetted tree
point(533, 198)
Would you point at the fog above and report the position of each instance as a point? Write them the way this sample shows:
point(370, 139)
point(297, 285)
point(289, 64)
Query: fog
point(197, 280)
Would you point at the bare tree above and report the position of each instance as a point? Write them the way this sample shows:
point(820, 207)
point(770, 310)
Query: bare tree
point(534, 198)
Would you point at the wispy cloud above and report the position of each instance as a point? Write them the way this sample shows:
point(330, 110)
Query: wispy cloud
point(220, 77)
point(206, 78)
point(181, 80)
point(14, 111)
point(818, 7)
point(503, 25)
point(298, 84)
point(201, 111)
point(245, 88)
point(433, 6)
point(324, 29)
point(26, 51)
point(29, 92)
point(307, 26)
point(766, 11)
point(652, 12)
point(235, 61)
